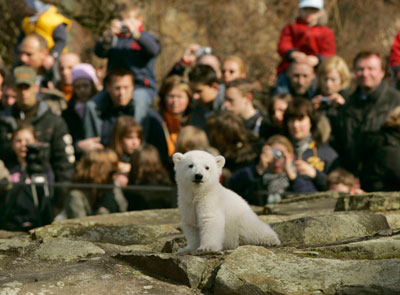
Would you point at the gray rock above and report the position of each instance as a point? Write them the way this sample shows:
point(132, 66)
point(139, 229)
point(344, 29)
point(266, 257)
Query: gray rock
point(66, 250)
point(193, 271)
point(329, 228)
point(256, 270)
point(374, 202)
point(382, 248)
point(121, 235)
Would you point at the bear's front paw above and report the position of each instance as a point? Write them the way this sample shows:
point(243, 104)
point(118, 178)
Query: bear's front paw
point(209, 248)
point(186, 250)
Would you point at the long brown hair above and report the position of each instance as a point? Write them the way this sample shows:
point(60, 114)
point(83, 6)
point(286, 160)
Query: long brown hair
point(122, 128)
point(97, 167)
point(147, 167)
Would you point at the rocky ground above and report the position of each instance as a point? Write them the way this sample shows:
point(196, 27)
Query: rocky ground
point(331, 244)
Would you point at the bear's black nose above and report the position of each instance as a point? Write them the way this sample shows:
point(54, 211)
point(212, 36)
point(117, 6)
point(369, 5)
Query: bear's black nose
point(198, 177)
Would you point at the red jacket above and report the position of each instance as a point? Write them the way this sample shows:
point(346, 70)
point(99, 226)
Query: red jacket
point(312, 40)
point(395, 53)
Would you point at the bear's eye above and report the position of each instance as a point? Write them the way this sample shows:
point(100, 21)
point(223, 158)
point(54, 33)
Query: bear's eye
point(207, 168)
point(191, 166)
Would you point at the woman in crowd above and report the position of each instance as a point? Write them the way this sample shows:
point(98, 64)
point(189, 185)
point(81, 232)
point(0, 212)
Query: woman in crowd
point(85, 83)
point(229, 136)
point(162, 128)
point(272, 177)
point(126, 137)
point(19, 169)
point(276, 110)
point(147, 169)
point(333, 82)
point(233, 68)
point(314, 159)
point(95, 167)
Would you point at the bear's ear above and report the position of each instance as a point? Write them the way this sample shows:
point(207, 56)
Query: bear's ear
point(177, 157)
point(220, 160)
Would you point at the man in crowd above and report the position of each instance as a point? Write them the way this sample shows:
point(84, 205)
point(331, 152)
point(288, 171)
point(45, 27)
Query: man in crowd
point(366, 111)
point(65, 65)
point(103, 109)
point(49, 128)
point(301, 77)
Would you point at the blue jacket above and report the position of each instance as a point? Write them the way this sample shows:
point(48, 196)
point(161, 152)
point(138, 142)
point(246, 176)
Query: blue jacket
point(138, 56)
point(101, 114)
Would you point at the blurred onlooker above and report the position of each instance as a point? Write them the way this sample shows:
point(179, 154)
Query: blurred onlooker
point(394, 59)
point(83, 81)
point(314, 159)
point(3, 74)
point(239, 97)
point(191, 138)
point(208, 94)
point(46, 21)
point(18, 167)
point(105, 107)
point(95, 167)
point(147, 169)
point(366, 110)
point(301, 81)
point(276, 111)
point(9, 96)
point(196, 54)
point(66, 63)
point(307, 40)
point(49, 128)
point(342, 181)
point(273, 175)
point(380, 169)
point(162, 128)
point(126, 45)
point(233, 67)
point(127, 136)
point(333, 77)
point(228, 135)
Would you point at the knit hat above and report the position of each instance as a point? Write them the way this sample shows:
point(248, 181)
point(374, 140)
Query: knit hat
point(84, 70)
point(319, 4)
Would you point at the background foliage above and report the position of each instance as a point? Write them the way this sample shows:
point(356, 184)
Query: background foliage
point(249, 28)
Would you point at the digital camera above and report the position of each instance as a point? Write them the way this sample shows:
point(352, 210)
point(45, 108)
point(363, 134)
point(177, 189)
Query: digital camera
point(203, 51)
point(36, 157)
point(277, 154)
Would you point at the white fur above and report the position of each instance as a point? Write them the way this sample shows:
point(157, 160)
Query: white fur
point(214, 218)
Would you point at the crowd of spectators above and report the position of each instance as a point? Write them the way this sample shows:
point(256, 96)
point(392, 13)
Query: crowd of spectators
point(321, 127)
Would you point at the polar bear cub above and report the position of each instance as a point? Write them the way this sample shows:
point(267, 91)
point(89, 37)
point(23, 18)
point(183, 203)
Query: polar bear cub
point(214, 218)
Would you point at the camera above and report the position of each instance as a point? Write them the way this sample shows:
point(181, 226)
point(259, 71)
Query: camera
point(125, 32)
point(277, 154)
point(36, 157)
point(203, 51)
point(326, 100)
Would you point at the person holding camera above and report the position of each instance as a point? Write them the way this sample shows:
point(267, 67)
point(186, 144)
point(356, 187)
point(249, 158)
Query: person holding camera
point(272, 177)
point(126, 45)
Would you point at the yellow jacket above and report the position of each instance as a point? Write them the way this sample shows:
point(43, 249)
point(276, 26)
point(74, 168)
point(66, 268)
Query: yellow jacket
point(45, 24)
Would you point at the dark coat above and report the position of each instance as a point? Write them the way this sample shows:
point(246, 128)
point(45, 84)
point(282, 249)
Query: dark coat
point(381, 166)
point(360, 116)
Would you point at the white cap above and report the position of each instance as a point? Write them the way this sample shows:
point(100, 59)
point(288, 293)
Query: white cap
point(319, 4)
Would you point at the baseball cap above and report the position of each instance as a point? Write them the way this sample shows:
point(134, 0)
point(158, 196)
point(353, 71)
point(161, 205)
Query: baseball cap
point(319, 4)
point(24, 75)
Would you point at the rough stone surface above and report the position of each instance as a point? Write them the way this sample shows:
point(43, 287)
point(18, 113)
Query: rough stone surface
point(120, 235)
point(374, 202)
point(63, 249)
point(329, 228)
point(255, 270)
point(323, 252)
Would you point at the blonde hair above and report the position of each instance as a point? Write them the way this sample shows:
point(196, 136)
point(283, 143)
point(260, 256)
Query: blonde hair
point(238, 61)
point(283, 140)
point(191, 138)
point(394, 119)
point(335, 63)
